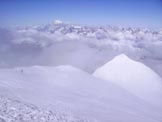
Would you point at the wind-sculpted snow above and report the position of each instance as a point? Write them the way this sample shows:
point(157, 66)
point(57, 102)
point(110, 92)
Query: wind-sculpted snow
point(39, 81)
point(61, 44)
point(71, 89)
point(133, 76)
point(17, 111)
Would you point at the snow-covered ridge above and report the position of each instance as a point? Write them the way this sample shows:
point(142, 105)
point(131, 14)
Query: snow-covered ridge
point(50, 66)
point(97, 32)
point(133, 76)
point(70, 88)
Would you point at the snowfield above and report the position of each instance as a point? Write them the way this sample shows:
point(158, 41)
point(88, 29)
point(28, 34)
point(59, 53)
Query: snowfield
point(18, 111)
point(66, 88)
point(133, 76)
point(62, 72)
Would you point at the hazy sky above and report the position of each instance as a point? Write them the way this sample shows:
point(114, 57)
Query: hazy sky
point(145, 13)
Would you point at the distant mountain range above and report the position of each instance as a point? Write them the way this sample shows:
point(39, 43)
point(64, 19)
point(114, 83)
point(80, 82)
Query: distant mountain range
point(100, 43)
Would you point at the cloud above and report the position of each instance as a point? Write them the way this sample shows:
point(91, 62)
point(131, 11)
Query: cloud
point(84, 47)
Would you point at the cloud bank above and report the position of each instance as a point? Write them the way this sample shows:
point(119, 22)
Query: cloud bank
point(86, 47)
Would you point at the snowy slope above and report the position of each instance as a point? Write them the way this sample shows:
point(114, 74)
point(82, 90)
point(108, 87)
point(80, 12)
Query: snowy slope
point(71, 89)
point(133, 76)
point(17, 111)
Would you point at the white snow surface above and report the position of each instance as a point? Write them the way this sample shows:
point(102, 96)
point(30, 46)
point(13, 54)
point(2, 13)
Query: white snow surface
point(58, 22)
point(66, 88)
point(133, 76)
point(41, 72)
point(17, 111)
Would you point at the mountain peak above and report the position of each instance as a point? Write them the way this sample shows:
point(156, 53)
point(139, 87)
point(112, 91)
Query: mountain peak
point(58, 22)
point(133, 76)
point(122, 56)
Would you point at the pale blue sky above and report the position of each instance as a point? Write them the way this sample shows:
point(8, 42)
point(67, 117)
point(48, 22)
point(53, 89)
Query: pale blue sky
point(138, 13)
